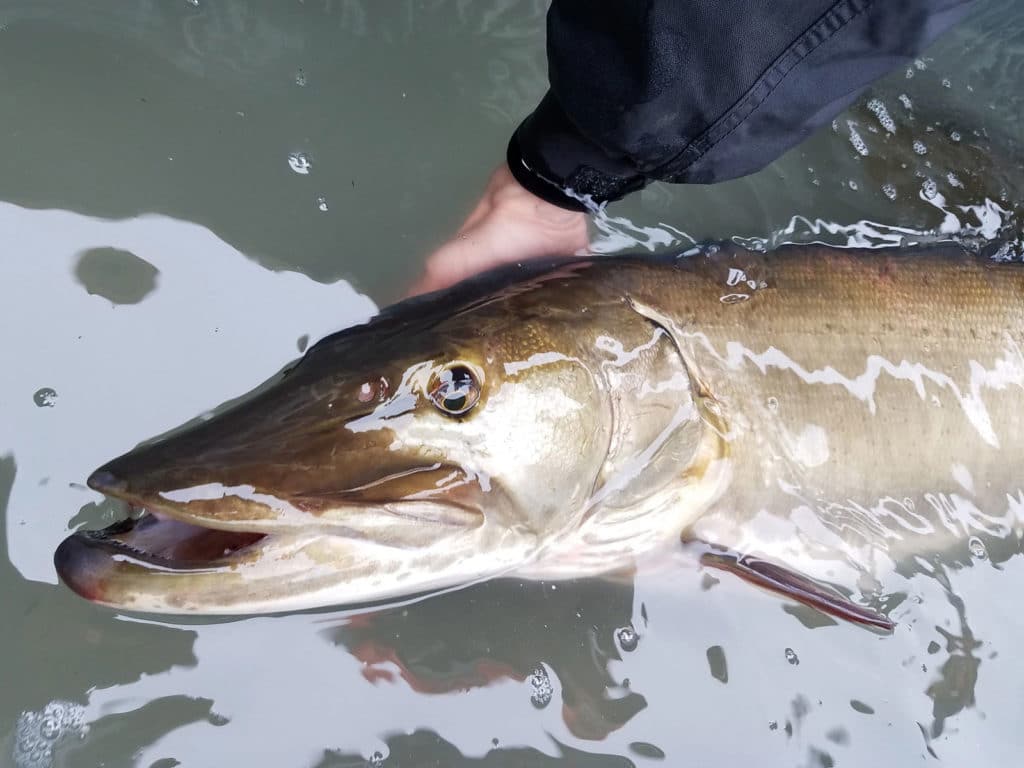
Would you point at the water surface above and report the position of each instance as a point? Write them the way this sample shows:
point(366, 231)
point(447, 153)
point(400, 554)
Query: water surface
point(192, 192)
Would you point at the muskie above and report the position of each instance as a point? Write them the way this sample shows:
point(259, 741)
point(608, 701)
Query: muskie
point(810, 419)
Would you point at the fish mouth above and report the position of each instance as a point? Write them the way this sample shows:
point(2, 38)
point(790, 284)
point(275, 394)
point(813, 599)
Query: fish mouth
point(162, 541)
point(91, 561)
point(166, 558)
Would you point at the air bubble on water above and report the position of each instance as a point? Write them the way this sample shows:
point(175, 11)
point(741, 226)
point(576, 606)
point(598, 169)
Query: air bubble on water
point(889, 190)
point(955, 135)
point(905, 101)
point(929, 189)
point(877, 107)
point(541, 685)
point(45, 397)
point(321, 203)
point(36, 733)
point(856, 140)
point(791, 657)
point(773, 404)
point(852, 184)
point(946, 83)
point(376, 760)
point(773, 725)
point(300, 78)
point(953, 180)
point(910, 73)
point(734, 298)
point(628, 638)
point(300, 162)
point(919, 147)
point(835, 126)
point(193, 3)
point(919, 64)
point(977, 547)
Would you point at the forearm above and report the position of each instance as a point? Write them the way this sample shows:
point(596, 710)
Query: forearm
point(699, 91)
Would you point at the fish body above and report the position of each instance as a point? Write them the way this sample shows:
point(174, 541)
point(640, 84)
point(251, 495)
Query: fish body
point(836, 412)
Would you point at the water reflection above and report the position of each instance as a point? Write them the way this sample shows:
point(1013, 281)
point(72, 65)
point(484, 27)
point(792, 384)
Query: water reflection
point(48, 671)
point(424, 747)
point(446, 644)
point(191, 110)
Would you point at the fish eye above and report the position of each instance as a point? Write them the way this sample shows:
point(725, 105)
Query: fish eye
point(373, 390)
point(455, 389)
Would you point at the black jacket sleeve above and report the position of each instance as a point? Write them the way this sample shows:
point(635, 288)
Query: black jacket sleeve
point(699, 91)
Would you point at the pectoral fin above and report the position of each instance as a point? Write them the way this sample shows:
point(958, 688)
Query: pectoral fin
point(795, 586)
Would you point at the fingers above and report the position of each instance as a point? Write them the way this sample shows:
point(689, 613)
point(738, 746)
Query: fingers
point(508, 225)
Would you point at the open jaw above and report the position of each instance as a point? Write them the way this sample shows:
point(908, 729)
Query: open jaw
point(154, 540)
point(159, 562)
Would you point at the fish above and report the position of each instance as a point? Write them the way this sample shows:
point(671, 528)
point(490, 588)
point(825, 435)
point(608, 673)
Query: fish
point(813, 420)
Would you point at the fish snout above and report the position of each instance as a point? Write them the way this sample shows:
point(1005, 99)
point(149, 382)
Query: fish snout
point(82, 567)
point(105, 481)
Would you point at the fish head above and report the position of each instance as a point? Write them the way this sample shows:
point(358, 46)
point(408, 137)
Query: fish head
point(439, 444)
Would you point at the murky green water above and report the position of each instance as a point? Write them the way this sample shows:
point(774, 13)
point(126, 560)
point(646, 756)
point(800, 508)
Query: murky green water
point(190, 193)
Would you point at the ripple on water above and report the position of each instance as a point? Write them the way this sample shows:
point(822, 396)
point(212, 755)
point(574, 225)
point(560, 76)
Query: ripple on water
point(300, 163)
point(45, 397)
point(628, 638)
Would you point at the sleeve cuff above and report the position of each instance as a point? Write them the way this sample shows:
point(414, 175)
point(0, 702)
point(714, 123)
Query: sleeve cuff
point(553, 161)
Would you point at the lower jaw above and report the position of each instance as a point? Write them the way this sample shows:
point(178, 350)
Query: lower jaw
point(172, 543)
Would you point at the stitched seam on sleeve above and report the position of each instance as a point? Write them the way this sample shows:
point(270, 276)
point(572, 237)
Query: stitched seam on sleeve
point(824, 29)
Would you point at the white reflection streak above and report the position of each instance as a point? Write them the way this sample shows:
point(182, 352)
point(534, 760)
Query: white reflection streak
point(1008, 371)
point(538, 359)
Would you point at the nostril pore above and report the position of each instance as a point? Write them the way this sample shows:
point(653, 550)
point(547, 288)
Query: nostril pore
point(104, 481)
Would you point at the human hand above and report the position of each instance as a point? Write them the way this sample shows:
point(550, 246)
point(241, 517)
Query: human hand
point(508, 225)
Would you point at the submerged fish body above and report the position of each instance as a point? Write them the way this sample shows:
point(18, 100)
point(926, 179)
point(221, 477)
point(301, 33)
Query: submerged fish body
point(830, 413)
